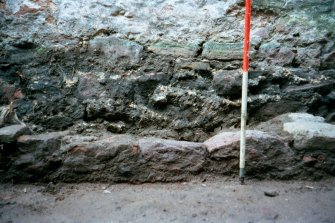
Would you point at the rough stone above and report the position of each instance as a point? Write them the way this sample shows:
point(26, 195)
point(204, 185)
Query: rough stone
point(228, 83)
point(103, 159)
point(282, 6)
point(328, 61)
point(159, 98)
point(175, 48)
point(277, 124)
point(124, 158)
point(269, 49)
point(271, 193)
point(8, 116)
point(46, 142)
point(309, 160)
point(163, 134)
point(173, 156)
point(265, 153)
point(284, 57)
point(311, 139)
point(304, 117)
point(9, 134)
point(100, 149)
point(312, 135)
point(118, 127)
point(223, 51)
point(112, 49)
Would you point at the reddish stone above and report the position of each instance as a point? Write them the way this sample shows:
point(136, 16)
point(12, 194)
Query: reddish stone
point(309, 160)
point(25, 10)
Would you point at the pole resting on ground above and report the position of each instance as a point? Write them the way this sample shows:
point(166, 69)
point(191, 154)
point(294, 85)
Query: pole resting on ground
point(245, 88)
point(242, 176)
point(243, 124)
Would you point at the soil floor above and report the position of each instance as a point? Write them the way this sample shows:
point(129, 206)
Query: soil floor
point(218, 200)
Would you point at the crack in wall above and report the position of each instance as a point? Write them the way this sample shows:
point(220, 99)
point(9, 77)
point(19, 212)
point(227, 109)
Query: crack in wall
point(200, 49)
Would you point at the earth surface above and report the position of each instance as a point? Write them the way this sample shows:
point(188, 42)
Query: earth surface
point(215, 200)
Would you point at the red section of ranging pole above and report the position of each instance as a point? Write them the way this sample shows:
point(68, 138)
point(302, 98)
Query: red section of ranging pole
point(245, 67)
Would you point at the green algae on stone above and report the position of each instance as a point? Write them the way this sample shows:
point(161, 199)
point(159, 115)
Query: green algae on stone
point(287, 6)
point(184, 49)
point(224, 51)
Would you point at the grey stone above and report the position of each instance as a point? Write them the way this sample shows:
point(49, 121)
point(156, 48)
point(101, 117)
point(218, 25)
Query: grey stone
point(283, 6)
point(284, 57)
point(271, 193)
point(223, 51)
point(304, 53)
point(310, 87)
point(264, 151)
point(88, 85)
point(118, 127)
point(184, 49)
point(304, 117)
point(46, 142)
point(80, 164)
point(9, 134)
point(262, 33)
point(277, 124)
point(226, 144)
point(24, 160)
point(228, 82)
point(328, 61)
point(102, 149)
point(8, 116)
point(308, 132)
point(331, 97)
point(196, 66)
point(159, 99)
point(163, 134)
point(312, 135)
point(199, 66)
point(99, 159)
point(124, 158)
point(173, 156)
point(112, 49)
point(269, 49)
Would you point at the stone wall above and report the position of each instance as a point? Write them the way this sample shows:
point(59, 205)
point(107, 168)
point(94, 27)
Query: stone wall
point(168, 68)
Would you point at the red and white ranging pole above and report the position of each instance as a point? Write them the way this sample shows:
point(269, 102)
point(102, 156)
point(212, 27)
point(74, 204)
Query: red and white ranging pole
point(245, 69)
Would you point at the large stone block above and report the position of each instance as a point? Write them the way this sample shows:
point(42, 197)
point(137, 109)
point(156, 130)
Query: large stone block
point(124, 158)
point(228, 82)
point(9, 134)
point(223, 51)
point(42, 143)
point(170, 160)
point(112, 49)
point(171, 155)
point(284, 6)
point(264, 152)
point(307, 132)
point(183, 49)
point(312, 135)
point(101, 149)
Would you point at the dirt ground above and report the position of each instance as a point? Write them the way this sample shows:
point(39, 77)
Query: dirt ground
point(216, 200)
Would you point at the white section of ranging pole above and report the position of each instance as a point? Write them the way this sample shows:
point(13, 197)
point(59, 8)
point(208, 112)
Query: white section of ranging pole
point(243, 124)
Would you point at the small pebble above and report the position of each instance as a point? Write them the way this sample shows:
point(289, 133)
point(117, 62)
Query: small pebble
point(271, 193)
